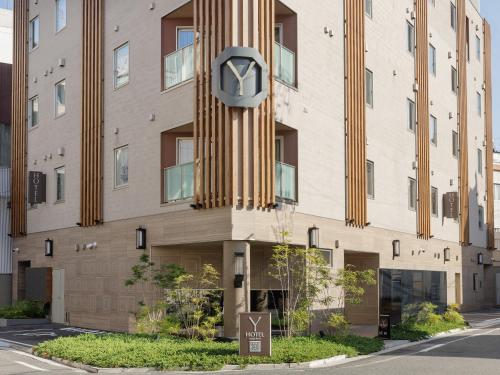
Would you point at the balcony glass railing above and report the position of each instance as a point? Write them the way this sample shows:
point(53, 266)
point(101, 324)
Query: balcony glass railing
point(179, 66)
point(284, 64)
point(285, 182)
point(178, 182)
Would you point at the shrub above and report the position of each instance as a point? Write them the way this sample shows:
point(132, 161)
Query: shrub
point(452, 315)
point(338, 324)
point(23, 310)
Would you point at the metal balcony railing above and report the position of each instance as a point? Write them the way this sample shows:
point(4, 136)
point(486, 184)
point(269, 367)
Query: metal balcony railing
point(285, 182)
point(178, 182)
point(179, 66)
point(284, 64)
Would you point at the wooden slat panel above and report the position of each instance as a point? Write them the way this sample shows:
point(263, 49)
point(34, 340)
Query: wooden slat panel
point(18, 122)
point(463, 173)
point(488, 111)
point(422, 104)
point(92, 108)
point(234, 147)
point(355, 113)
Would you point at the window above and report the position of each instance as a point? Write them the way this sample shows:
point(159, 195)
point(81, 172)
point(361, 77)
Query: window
point(478, 48)
point(479, 104)
point(34, 33)
point(278, 33)
point(480, 217)
point(433, 130)
point(432, 59)
point(121, 68)
point(60, 15)
point(475, 281)
point(185, 37)
point(369, 8)
point(479, 161)
point(467, 38)
point(369, 88)
point(327, 255)
point(453, 14)
point(7, 4)
point(60, 184)
point(434, 201)
point(412, 194)
point(185, 150)
point(496, 191)
point(279, 147)
point(454, 143)
point(121, 166)
point(370, 179)
point(454, 80)
point(60, 96)
point(410, 36)
point(33, 112)
point(412, 120)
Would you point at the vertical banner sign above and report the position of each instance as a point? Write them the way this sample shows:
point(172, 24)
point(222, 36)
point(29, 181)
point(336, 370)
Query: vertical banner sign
point(36, 184)
point(255, 334)
point(450, 205)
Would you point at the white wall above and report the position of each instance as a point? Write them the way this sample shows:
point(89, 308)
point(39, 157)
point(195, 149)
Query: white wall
point(6, 23)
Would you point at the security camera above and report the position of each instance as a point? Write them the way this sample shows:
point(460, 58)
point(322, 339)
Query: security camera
point(15, 250)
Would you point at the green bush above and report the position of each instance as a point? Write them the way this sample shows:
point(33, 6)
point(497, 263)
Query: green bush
point(452, 315)
point(23, 310)
point(175, 353)
point(338, 324)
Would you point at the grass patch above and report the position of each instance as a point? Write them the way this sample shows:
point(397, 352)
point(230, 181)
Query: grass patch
point(172, 353)
point(415, 332)
point(23, 310)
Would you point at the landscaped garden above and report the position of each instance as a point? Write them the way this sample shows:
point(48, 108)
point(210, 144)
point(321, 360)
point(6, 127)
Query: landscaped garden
point(23, 310)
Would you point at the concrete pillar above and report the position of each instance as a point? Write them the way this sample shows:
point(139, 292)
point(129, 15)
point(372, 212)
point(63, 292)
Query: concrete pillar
point(236, 300)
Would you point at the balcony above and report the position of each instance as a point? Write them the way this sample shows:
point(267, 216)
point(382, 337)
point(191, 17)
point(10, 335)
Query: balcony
point(285, 182)
point(178, 182)
point(284, 64)
point(179, 67)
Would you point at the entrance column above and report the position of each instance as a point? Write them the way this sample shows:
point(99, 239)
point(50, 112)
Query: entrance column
point(236, 299)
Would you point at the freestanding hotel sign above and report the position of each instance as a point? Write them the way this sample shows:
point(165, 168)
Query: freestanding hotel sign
point(240, 77)
point(255, 334)
point(37, 190)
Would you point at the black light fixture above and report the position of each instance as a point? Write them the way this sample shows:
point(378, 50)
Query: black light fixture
point(49, 247)
point(239, 269)
point(140, 238)
point(396, 249)
point(447, 254)
point(313, 234)
point(480, 259)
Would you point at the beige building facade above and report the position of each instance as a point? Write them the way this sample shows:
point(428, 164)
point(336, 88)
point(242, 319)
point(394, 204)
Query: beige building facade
point(375, 111)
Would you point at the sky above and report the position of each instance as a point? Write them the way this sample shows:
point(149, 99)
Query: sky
point(490, 9)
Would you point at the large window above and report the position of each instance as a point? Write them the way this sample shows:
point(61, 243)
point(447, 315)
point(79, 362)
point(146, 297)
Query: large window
point(412, 120)
point(34, 29)
point(369, 88)
point(185, 150)
point(433, 130)
point(7, 4)
point(412, 194)
point(454, 80)
point(479, 100)
point(121, 65)
point(185, 37)
point(454, 143)
point(453, 15)
point(479, 161)
point(60, 98)
point(369, 8)
point(410, 38)
point(496, 191)
point(121, 166)
point(370, 179)
point(434, 201)
point(478, 48)
point(60, 184)
point(480, 217)
point(33, 112)
point(432, 60)
point(60, 15)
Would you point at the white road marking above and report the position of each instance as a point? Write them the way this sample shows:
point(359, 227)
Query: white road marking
point(39, 359)
point(430, 348)
point(17, 343)
point(25, 330)
point(31, 366)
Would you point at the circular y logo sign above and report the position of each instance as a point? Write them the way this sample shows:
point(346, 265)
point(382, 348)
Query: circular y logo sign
point(240, 77)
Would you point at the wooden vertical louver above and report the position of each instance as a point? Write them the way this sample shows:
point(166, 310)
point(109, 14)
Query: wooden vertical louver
point(354, 18)
point(18, 122)
point(422, 103)
point(234, 147)
point(92, 118)
point(488, 123)
point(463, 172)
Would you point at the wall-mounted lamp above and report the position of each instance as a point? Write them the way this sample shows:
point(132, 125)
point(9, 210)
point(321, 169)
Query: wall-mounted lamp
point(313, 236)
point(396, 249)
point(447, 254)
point(140, 238)
point(49, 247)
point(480, 259)
point(239, 269)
